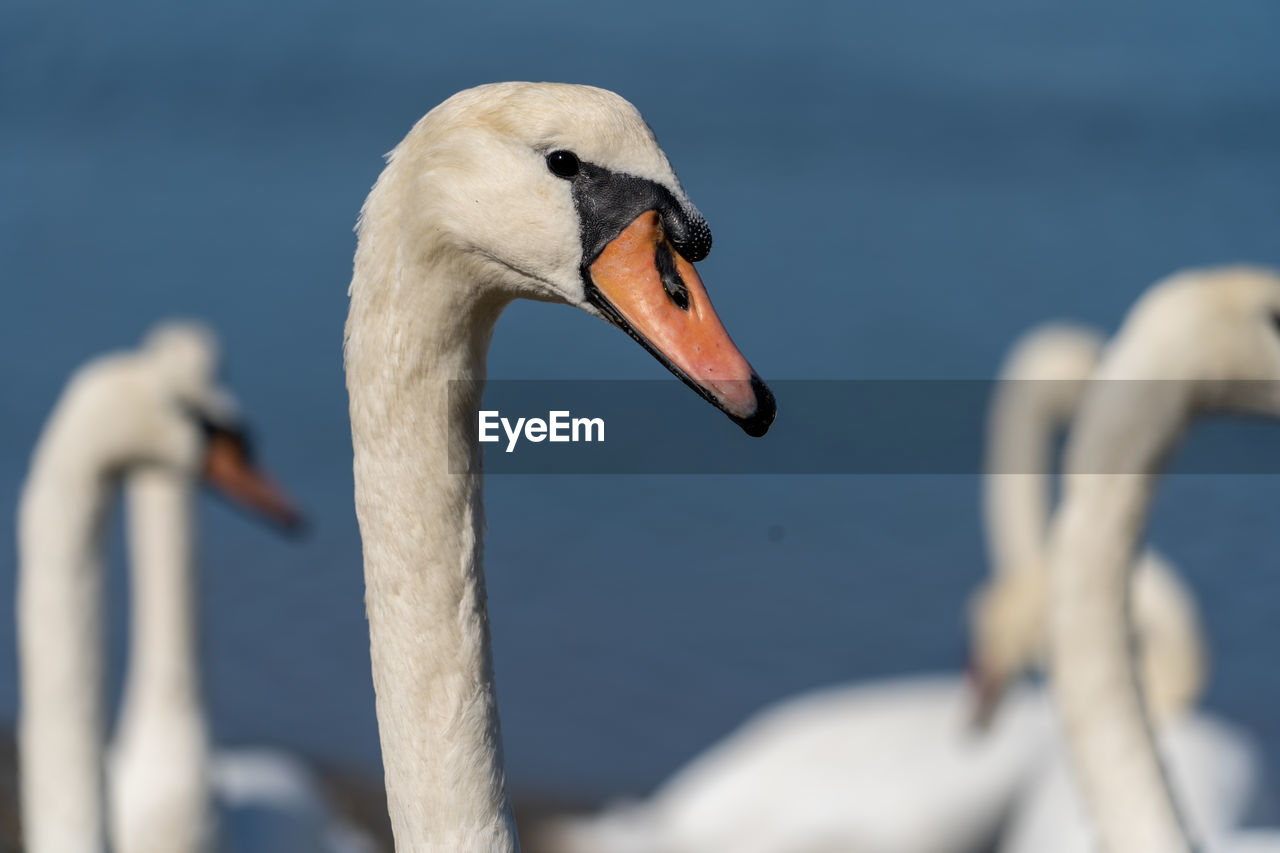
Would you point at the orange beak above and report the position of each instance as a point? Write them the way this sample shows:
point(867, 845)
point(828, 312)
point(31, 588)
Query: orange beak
point(641, 284)
point(228, 468)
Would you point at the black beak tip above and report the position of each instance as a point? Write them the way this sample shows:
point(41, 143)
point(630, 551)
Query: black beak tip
point(758, 423)
point(295, 525)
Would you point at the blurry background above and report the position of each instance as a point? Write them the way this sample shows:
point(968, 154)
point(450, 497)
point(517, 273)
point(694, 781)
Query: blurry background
point(896, 190)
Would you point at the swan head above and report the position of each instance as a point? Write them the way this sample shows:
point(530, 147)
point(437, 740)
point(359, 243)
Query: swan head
point(204, 421)
point(183, 357)
point(1216, 331)
point(161, 405)
point(560, 193)
point(1007, 636)
point(1008, 615)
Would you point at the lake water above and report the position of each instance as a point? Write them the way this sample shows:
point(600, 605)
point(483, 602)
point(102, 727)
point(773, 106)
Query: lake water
point(896, 190)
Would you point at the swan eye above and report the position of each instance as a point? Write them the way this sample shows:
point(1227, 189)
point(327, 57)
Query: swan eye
point(563, 163)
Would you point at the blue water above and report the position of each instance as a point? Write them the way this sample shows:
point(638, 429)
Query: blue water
point(896, 190)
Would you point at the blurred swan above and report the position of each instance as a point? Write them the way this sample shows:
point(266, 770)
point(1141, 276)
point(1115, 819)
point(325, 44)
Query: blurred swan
point(543, 191)
point(1039, 389)
point(1200, 341)
point(889, 767)
point(158, 419)
point(1042, 382)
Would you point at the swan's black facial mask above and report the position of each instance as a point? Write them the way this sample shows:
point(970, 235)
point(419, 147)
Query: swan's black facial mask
point(608, 202)
point(638, 248)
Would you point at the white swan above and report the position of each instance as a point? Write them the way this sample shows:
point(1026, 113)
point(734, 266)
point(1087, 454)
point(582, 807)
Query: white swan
point(1200, 341)
point(550, 192)
point(1041, 384)
point(892, 766)
point(1037, 395)
point(1216, 766)
point(158, 418)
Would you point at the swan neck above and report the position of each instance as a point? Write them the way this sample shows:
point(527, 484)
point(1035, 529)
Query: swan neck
point(1023, 426)
point(410, 333)
point(162, 671)
point(160, 762)
point(1122, 438)
point(61, 531)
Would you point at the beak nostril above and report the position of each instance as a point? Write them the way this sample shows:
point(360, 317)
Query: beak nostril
point(674, 285)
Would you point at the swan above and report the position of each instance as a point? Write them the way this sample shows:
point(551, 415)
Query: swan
point(155, 417)
point(1215, 764)
point(1202, 340)
point(892, 766)
point(1041, 383)
point(551, 192)
point(1035, 398)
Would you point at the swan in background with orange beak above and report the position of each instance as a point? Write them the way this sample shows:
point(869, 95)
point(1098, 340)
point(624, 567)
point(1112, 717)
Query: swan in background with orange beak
point(153, 418)
point(543, 191)
point(1200, 342)
point(1039, 389)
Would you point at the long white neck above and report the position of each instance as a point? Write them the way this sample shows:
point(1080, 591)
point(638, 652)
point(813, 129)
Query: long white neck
point(1125, 433)
point(1016, 488)
point(1036, 397)
point(160, 760)
point(410, 332)
point(61, 524)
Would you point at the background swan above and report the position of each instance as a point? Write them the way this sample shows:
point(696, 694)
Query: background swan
point(546, 191)
point(1193, 343)
point(1042, 382)
point(1040, 386)
point(159, 418)
point(890, 766)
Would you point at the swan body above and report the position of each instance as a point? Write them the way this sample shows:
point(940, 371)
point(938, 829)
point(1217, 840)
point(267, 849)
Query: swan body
point(270, 801)
point(543, 191)
point(1213, 766)
point(1200, 341)
point(891, 767)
